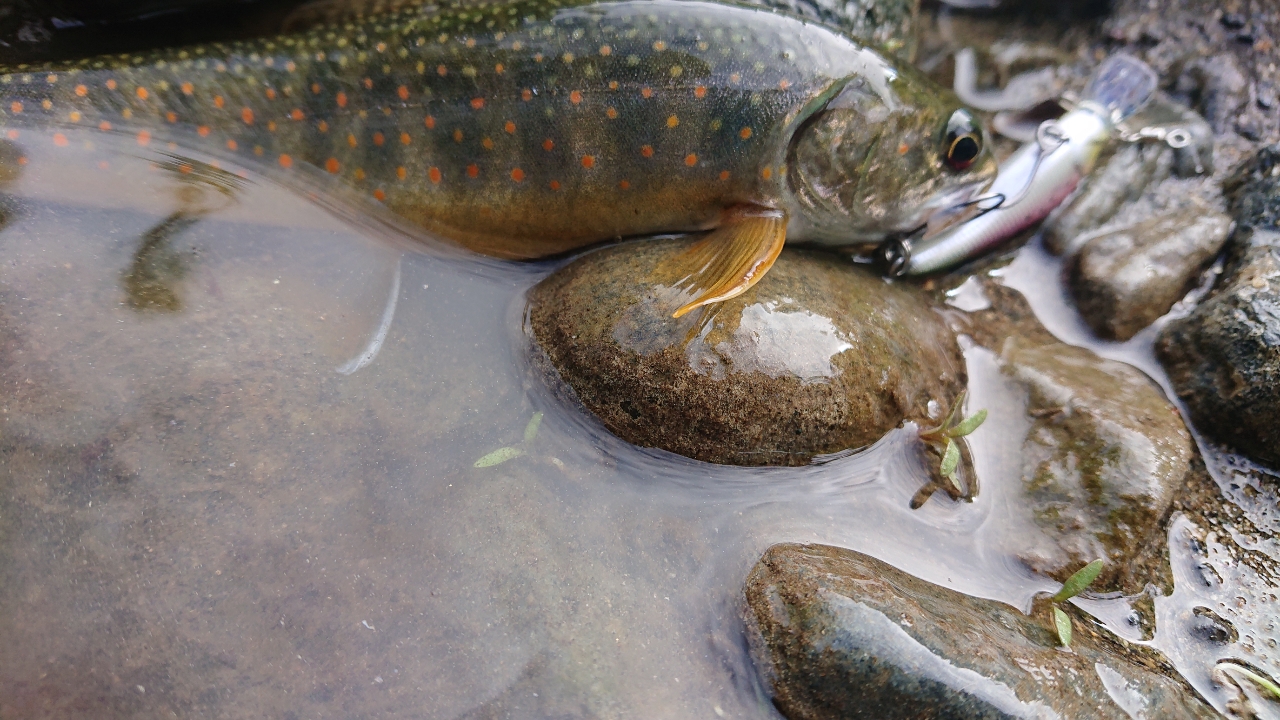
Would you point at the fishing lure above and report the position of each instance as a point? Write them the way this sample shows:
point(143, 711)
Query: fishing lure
point(527, 129)
point(1038, 176)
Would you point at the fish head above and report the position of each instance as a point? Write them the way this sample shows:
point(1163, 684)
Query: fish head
point(882, 156)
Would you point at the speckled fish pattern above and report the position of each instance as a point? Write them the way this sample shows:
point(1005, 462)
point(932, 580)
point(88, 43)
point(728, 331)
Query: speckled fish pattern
point(521, 129)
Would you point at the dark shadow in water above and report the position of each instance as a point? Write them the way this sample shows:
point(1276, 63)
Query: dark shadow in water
point(152, 280)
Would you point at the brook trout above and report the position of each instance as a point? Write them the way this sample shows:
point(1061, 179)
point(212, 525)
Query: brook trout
point(527, 129)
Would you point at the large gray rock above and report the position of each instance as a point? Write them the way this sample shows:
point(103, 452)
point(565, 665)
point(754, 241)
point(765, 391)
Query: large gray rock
point(838, 634)
point(1125, 278)
point(820, 356)
point(1224, 358)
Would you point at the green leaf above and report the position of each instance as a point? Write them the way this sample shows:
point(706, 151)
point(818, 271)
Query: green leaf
point(969, 425)
point(1262, 681)
point(950, 459)
point(1063, 623)
point(956, 409)
point(499, 456)
point(1078, 581)
point(531, 430)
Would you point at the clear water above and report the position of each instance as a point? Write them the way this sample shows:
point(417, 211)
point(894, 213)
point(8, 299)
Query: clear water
point(201, 516)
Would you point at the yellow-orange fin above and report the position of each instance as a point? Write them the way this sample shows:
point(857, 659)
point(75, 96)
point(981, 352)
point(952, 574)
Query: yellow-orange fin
point(733, 257)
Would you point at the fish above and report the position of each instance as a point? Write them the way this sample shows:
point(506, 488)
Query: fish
point(529, 129)
point(1037, 177)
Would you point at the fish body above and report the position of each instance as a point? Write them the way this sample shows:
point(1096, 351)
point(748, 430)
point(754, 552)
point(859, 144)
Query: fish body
point(1037, 177)
point(522, 129)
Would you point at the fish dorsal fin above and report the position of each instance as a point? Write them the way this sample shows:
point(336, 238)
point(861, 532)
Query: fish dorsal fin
point(731, 258)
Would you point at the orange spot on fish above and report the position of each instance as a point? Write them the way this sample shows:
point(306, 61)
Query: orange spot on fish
point(403, 92)
point(218, 101)
point(517, 175)
point(59, 139)
point(379, 195)
point(104, 125)
point(203, 131)
point(646, 92)
point(547, 144)
point(185, 169)
point(477, 103)
point(46, 104)
point(401, 172)
point(111, 84)
point(103, 165)
point(359, 174)
point(322, 126)
point(296, 114)
point(673, 121)
point(257, 150)
point(613, 84)
point(700, 92)
point(368, 83)
point(246, 114)
point(498, 68)
point(606, 50)
point(291, 66)
point(735, 78)
point(171, 116)
point(472, 171)
point(575, 97)
point(351, 140)
point(271, 126)
point(315, 88)
point(487, 143)
point(286, 161)
point(659, 46)
point(611, 113)
point(271, 93)
point(588, 161)
point(526, 95)
point(744, 133)
point(510, 127)
point(144, 137)
point(784, 84)
point(766, 173)
point(554, 184)
point(22, 160)
point(378, 139)
point(332, 165)
point(624, 184)
point(15, 107)
point(471, 42)
point(457, 136)
point(231, 145)
point(405, 139)
point(430, 122)
point(724, 174)
point(646, 150)
point(81, 90)
point(12, 134)
point(903, 148)
point(74, 116)
point(342, 99)
point(690, 159)
point(434, 174)
point(442, 70)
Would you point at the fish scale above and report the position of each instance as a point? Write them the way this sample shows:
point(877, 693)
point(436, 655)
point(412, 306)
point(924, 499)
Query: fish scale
point(519, 129)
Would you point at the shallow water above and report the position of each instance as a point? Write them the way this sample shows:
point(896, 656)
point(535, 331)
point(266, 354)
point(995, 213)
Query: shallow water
point(200, 515)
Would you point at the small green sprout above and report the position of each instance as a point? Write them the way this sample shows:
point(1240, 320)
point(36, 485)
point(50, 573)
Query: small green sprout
point(1076, 584)
point(945, 440)
point(1235, 671)
point(503, 454)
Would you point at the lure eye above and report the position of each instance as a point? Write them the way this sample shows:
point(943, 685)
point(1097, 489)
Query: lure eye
point(963, 140)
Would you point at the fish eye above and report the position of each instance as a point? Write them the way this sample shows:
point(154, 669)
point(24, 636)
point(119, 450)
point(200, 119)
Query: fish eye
point(963, 140)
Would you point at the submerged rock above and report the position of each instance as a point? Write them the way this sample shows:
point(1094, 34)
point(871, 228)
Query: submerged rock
point(820, 356)
point(1124, 279)
point(1103, 457)
point(838, 634)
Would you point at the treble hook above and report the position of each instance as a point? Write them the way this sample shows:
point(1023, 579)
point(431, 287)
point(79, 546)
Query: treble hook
point(1049, 137)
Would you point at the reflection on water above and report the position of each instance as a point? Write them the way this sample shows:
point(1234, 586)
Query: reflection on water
point(199, 515)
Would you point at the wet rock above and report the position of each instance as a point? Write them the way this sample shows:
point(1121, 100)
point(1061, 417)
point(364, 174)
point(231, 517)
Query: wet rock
point(1103, 460)
point(820, 356)
point(1120, 179)
point(838, 634)
point(1253, 191)
point(1123, 279)
point(1224, 358)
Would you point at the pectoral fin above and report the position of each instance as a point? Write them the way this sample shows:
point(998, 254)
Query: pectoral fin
point(733, 257)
